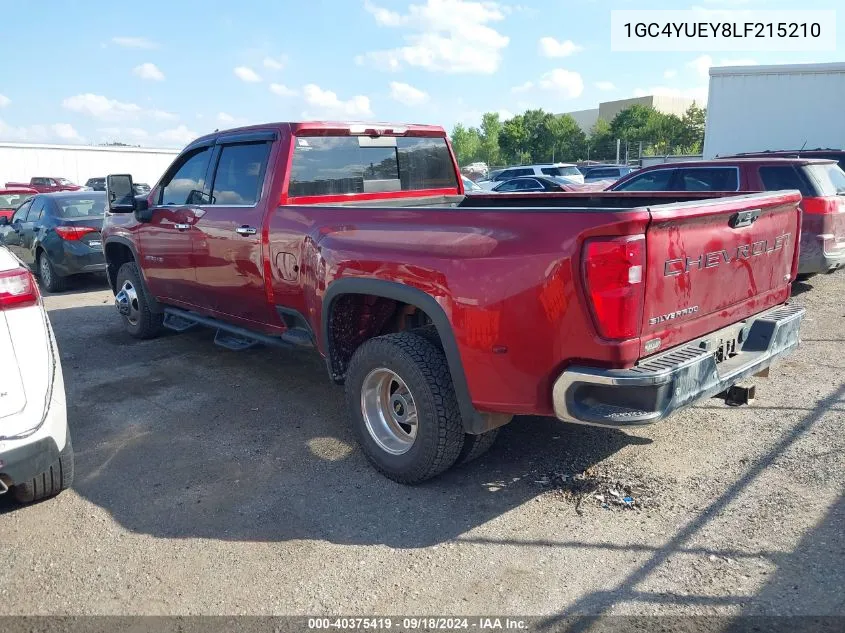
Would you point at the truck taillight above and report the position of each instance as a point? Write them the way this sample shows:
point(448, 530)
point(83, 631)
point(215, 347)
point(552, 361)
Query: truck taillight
point(614, 283)
point(17, 289)
point(72, 233)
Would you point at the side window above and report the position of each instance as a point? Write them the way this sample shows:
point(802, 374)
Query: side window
point(38, 181)
point(20, 214)
point(524, 172)
point(52, 183)
point(550, 171)
point(709, 179)
point(508, 186)
point(186, 184)
point(657, 180)
point(240, 174)
point(604, 173)
point(506, 175)
point(777, 178)
point(36, 210)
point(529, 184)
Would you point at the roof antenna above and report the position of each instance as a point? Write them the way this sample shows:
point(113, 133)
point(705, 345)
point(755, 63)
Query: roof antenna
point(802, 148)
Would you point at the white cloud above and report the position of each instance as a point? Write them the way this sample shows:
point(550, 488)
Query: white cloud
point(225, 117)
point(275, 63)
point(105, 109)
point(282, 90)
point(528, 85)
point(407, 94)
point(504, 115)
point(550, 47)
point(134, 42)
point(566, 83)
point(605, 85)
point(670, 74)
point(180, 135)
point(40, 133)
point(450, 36)
point(702, 64)
point(228, 120)
point(327, 103)
point(148, 71)
point(4, 101)
point(244, 73)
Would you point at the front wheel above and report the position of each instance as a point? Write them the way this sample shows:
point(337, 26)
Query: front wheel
point(132, 304)
point(403, 407)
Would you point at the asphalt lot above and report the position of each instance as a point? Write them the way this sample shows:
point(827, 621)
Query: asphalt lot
point(215, 482)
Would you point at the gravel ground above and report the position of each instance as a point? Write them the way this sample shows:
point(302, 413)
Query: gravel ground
point(214, 482)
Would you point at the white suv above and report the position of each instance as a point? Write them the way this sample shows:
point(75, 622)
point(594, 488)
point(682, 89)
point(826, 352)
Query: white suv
point(563, 171)
point(36, 456)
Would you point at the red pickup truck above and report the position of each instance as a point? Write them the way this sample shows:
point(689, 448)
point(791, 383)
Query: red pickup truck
point(445, 314)
point(46, 184)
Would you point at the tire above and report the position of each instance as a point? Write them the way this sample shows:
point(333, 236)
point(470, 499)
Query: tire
point(50, 483)
point(476, 445)
point(50, 279)
point(141, 322)
point(426, 388)
point(805, 276)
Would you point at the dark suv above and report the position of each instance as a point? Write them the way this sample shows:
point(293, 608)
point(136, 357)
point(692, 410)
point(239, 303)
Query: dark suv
point(821, 183)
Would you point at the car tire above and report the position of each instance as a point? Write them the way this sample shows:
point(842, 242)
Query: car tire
point(50, 279)
point(51, 482)
point(476, 445)
point(404, 377)
point(139, 321)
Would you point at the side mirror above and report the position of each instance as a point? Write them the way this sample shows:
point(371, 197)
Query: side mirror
point(119, 193)
point(4, 221)
point(143, 213)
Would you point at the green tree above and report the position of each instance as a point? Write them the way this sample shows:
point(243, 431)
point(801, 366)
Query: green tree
point(491, 127)
point(601, 143)
point(514, 141)
point(693, 121)
point(466, 142)
point(631, 124)
point(568, 141)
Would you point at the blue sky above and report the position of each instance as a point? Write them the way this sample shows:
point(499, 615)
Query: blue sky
point(160, 73)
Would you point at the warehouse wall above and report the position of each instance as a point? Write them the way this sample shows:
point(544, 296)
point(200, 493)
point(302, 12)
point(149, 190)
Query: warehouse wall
point(20, 161)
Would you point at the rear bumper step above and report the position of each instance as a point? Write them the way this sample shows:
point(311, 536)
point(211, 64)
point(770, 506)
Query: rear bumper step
point(662, 384)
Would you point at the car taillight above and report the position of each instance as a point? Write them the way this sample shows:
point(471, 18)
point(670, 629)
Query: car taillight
point(74, 232)
point(827, 205)
point(17, 289)
point(615, 288)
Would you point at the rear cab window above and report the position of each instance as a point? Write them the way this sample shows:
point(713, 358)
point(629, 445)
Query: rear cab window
point(340, 165)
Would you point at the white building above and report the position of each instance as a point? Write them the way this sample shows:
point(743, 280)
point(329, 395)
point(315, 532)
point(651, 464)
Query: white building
point(21, 161)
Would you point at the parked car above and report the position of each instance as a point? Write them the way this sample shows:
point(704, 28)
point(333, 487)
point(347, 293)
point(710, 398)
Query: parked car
point(12, 198)
point(36, 456)
point(469, 185)
point(531, 183)
point(58, 235)
point(96, 184)
point(46, 184)
point(561, 170)
point(595, 173)
point(821, 183)
point(442, 314)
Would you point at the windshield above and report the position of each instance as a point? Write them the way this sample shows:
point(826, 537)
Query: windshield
point(829, 177)
point(70, 208)
point(13, 200)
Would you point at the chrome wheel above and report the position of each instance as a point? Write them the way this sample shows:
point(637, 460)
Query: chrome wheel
point(389, 411)
point(126, 301)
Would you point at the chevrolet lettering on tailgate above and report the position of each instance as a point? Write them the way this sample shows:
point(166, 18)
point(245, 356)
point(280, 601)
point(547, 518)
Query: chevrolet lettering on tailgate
point(673, 267)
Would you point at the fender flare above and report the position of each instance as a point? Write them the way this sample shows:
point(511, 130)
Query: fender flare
point(155, 306)
point(473, 421)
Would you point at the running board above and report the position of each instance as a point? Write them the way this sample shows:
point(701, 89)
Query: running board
point(234, 337)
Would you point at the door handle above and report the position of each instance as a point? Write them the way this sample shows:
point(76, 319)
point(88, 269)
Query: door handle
point(246, 230)
point(182, 227)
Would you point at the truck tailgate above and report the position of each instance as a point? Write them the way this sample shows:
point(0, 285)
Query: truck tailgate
point(713, 263)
